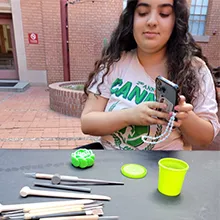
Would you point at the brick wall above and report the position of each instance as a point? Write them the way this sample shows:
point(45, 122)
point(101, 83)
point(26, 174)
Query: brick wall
point(89, 23)
point(212, 49)
point(33, 22)
point(53, 40)
point(43, 17)
point(66, 101)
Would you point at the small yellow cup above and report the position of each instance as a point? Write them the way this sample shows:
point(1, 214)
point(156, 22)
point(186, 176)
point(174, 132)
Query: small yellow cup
point(171, 176)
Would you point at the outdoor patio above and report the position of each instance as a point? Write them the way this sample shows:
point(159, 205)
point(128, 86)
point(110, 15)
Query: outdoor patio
point(26, 121)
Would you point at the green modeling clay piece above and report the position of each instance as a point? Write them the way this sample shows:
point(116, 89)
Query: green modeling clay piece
point(83, 158)
point(134, 171)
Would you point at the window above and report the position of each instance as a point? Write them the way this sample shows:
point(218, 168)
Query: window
point(197, 19)
point(124, 4)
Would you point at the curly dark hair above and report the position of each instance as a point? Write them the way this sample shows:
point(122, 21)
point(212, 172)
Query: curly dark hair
point(181, 48)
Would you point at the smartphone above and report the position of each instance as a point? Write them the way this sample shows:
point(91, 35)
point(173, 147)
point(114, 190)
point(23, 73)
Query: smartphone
point(167, 92)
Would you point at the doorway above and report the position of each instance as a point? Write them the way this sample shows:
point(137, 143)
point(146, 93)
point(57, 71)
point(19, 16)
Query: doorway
point(8, 61)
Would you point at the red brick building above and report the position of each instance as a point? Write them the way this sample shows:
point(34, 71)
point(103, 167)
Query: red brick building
point(32, 41)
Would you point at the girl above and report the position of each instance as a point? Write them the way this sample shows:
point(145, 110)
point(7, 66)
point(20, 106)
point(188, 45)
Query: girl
point(151, 39)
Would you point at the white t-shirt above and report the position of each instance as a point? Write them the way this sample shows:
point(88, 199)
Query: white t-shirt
point(128, 85)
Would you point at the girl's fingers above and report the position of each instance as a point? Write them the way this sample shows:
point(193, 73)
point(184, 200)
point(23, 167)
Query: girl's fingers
point(182, 99)
point(158, 114)
point(184, 108)
point(151, 121)
point(160, 122)
point(182, 115)
point(178, 123)
point(153, 110)
point(156, 105)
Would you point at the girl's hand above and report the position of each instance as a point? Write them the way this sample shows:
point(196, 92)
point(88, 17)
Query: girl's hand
point(146, 114)
point(183, 110)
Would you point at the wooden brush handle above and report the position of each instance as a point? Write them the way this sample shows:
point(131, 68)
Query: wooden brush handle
point(28, 206)
point(53, 215)
point(58, 210)
point(52, 206)
point(43, 176)
point(54, 209)
point(91, 217)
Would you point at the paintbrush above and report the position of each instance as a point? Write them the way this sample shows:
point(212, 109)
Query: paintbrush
point(51, 211)
point(68, 208)
point(52, 208)
point(4, 208)
point(91, 217)
point(61, 214)
point(57, 179)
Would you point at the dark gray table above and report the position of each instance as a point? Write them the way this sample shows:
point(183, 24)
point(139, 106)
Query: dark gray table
point(137, 199)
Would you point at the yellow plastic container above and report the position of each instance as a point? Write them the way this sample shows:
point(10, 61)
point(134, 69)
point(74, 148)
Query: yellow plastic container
point(171, 176)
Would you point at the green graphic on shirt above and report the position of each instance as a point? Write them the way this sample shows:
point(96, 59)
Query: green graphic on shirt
point(130, 92)
point(130, 137)
point(133, 139)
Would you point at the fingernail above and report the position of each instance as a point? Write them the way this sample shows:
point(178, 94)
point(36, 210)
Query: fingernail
point(170, 114)
point(176, 108)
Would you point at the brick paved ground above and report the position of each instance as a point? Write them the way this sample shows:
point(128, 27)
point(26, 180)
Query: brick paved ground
point(26, 121)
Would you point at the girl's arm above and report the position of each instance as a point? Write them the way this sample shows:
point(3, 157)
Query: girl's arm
point(95, 121)
point(201, 125)
point(196, 130)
